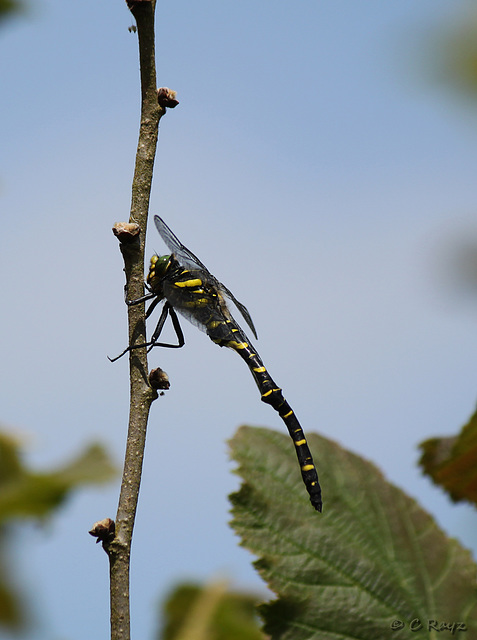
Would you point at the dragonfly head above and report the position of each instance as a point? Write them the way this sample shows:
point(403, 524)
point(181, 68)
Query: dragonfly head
point(158, 268)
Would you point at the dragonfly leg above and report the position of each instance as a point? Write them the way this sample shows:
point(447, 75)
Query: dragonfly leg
point(167, 310)
point(152, 306)
point(131, 303)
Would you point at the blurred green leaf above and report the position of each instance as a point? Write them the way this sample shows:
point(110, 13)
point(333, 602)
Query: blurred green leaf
point(25, 494)
point(454, 52)
point(372, 558)
point(452, 462)
point(12, 615)
point(8, 7)
point(193, 612)
point(462, 55)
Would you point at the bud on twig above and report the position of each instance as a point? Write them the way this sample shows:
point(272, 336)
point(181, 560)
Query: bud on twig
point(158, 379)
point(103, 530)
point(167, 97)
point(126, 232)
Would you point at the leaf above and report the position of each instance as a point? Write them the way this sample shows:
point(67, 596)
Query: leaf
point(25, 494)
point(28, 494)
point(455, 52)
point(210, 612)
point(452, 462)
point(12, 615)
point(8, 7)
point(374, 565)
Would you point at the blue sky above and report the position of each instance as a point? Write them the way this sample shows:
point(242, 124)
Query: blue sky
point(320, 172)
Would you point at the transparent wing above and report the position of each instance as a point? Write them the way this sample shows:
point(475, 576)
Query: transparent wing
point(189, 260)
point(241, 307)
point(185, 257)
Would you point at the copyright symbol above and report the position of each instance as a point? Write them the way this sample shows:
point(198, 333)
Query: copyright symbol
point(397, 624)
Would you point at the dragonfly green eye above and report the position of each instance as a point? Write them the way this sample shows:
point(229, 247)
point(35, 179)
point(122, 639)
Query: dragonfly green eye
point(158, 268)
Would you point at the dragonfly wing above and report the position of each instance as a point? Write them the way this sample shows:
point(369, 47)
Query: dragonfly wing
point(241, 307)
point(185, 257)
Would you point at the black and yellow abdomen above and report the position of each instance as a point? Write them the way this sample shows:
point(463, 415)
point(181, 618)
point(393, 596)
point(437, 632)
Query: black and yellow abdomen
point(226, 333)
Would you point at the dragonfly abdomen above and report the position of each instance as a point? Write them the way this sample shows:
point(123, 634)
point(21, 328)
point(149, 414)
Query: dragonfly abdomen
point(226, 334)
point(271, 394)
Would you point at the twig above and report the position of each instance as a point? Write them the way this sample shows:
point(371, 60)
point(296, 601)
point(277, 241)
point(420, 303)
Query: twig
point(141, 393)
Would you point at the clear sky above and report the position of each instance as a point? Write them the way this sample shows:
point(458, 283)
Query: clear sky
point(319, 171)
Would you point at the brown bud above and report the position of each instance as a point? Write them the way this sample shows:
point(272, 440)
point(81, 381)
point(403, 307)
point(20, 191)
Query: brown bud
point(167, 97)
point(103, 530)
point(158, 379)
point(126, 232)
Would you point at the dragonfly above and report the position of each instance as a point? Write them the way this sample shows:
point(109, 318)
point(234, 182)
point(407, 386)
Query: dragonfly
point(185, 285)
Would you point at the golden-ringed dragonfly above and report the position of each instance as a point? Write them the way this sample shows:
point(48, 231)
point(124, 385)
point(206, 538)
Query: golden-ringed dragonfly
point(184, 284)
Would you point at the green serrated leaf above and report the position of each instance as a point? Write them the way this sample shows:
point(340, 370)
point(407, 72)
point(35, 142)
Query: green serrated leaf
point(373, 561)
